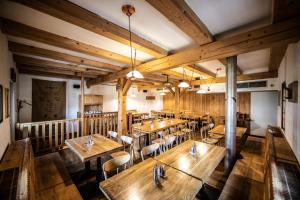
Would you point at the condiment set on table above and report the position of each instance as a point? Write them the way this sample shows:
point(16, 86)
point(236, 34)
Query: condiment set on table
point(158, 171)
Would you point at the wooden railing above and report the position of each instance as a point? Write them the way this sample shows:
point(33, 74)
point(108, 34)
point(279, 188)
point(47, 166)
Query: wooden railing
point(51, 135)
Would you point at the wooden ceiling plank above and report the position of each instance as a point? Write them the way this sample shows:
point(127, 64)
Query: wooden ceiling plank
point(35, 51)
point(21, 30)
point(281, 10)
point(242, 77)
point(178, 12)
point(270, 36)
point(86, 19)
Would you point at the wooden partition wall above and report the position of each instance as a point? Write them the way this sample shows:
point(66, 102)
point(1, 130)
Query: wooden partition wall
point(213, 104)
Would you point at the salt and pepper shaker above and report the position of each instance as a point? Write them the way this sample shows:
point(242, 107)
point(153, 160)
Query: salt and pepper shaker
point(194, 149)
point(155, 175)
point(158, 171)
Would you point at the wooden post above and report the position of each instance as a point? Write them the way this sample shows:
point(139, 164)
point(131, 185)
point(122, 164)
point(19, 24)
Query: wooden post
point(230, 118)
point(82, 106)
point(177, 101)
point(122, 88)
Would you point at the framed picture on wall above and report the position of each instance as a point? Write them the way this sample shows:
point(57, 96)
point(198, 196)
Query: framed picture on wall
point(1, 103)
point(6, 103)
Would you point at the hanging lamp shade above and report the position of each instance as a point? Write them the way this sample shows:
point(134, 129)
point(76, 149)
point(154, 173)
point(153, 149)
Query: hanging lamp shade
point(134, 74)
point(201, 91)
point(183, 84)
point(162, 94)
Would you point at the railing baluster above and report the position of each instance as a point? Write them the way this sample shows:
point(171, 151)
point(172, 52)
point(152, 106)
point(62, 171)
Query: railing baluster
point(56, 133)
point(50, 135)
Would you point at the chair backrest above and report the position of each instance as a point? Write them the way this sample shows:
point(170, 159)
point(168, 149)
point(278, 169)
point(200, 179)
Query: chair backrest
point(211, 125)
point(112, 134)
point(114, 164)
point(181, 126)
point(162, 133)
point(149, 150)
point(173, 129)
point(126, 139)
point(170, 140)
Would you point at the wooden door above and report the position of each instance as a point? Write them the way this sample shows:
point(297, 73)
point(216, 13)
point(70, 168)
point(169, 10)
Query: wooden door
point(48, 100)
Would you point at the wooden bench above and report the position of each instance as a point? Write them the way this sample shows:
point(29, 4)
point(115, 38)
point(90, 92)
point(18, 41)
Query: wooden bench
point(43, 177)
point(253, 176)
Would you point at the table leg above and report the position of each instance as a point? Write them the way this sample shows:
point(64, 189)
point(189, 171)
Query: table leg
point(99, 175)
point(87, 165)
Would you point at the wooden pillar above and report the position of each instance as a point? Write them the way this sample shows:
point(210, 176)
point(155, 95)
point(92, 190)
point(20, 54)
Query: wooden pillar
point(122, 88)
point(82, 106)
point(230, 118)
point(177, 101)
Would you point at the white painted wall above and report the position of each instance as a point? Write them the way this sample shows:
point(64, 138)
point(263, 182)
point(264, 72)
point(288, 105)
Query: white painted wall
point(110, 100)
point(6, 62)
point(263, 109)
point(289, 71)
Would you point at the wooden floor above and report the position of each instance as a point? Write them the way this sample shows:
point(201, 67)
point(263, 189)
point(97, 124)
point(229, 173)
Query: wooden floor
point(89, 189)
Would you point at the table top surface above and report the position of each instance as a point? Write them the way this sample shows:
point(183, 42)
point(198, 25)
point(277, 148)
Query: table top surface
point(220, 129)
point(102, 145)
point(136, 183)
point(149, 127)
point(200, 165)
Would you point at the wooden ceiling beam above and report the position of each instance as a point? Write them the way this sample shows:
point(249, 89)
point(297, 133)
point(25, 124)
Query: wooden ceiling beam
point(53, 71)
point(281, 10)
point(47, 74)
point(270, 36)
point(200, 70)
point(74, 14)
point(177, 74)
point(178, 12)
point(242, 77)
point(35, 51)
point(21, 30)
point(54, 65)
point(276, 56)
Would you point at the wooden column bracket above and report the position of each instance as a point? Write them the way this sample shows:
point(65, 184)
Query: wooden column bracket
point(126, 86)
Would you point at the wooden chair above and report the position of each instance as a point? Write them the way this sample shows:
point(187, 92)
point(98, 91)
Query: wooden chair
point(161, 141)
point(127, 142)
point(186, 130)
point(115, 164)
point(169, 142)
point(150, 150)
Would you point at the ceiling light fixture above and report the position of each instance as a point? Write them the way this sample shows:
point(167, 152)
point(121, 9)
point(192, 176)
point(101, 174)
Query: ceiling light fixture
point(133, 74)
point(182, 83)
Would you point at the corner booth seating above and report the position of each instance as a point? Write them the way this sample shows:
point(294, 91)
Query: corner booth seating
point(24, 176)
point(267, 170)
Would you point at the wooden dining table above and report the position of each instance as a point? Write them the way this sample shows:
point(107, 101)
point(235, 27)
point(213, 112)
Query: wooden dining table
point(150, 127)
point(158, 125)
point(102, 146)
point(136, 183)
point(220, 130)
point(201, 165)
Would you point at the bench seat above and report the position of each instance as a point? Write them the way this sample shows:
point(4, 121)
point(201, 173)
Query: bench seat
point(53, 179)
point(43, 177)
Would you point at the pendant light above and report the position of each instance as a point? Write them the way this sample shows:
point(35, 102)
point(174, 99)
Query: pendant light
point(133, 74)
point(182, 83)
point(200, 91)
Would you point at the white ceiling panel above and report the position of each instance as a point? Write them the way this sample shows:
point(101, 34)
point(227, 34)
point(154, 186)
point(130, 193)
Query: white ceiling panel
point(146, 22)
point(223, 15)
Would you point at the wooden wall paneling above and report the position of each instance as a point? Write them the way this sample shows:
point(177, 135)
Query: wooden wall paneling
point(212, 104)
